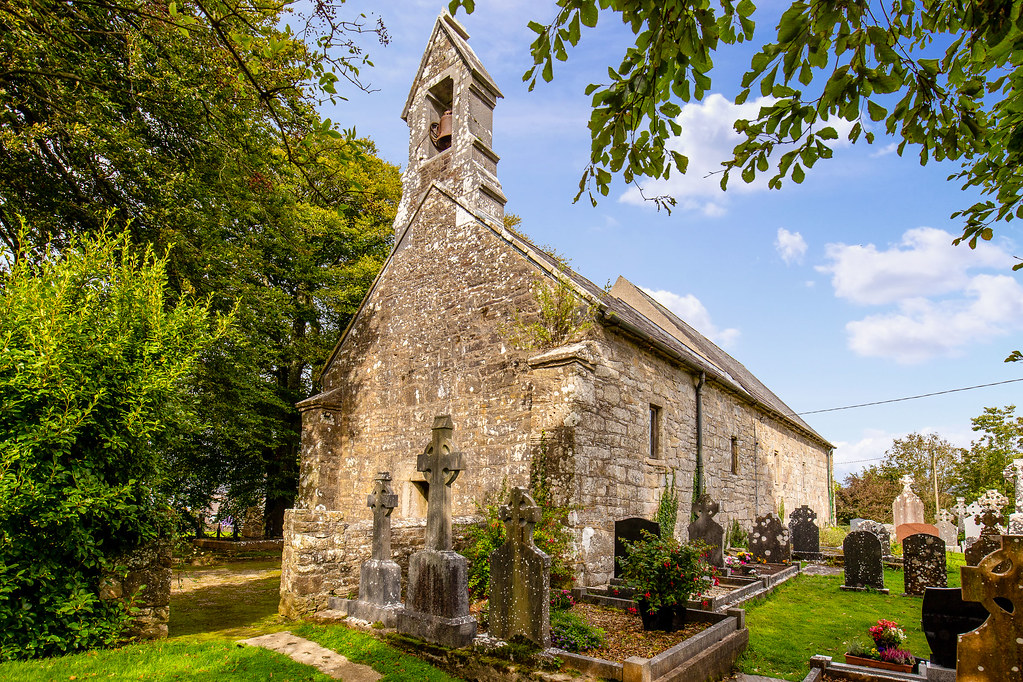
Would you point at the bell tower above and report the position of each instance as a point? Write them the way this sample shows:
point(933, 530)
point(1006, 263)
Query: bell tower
point(450, 115)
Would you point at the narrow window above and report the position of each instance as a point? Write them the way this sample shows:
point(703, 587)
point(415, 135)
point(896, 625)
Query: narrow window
point(735, 454)
point(655, 432)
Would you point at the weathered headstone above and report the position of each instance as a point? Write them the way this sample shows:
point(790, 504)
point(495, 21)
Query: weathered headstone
point(805, 535)
point(994, 651)
point(1014, 474)
point(770, 540)
point(631, 530)
point(854, 524)
point(907, 507)
point(947, 529)
point(437, 602)
point(379, 577)
point(879, 530)
point(944, 616)
point(520, 576)
point(923, 562)
point(708, 530)
point(905, 530)
point(971, 526)
point(988, 541)
point(960, 511)
point(863, 567)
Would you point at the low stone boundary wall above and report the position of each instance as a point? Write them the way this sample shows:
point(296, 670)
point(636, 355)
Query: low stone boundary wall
point(323, 552)
point(707, 655)
point(222, 546)
point(824, 665)
point(148, 578)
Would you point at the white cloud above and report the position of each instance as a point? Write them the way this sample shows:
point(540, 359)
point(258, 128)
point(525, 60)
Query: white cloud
point(886, 150)
point(937, 304)
point(922, 329)
point(693, 312)
point(790, 246)
point(924, 263)
point(708, 139)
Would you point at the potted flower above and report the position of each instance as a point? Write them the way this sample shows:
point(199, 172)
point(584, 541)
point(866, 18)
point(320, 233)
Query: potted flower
point(886, 653)
point(665, 574)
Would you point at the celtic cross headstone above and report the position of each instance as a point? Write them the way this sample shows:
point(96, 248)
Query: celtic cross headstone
point(437, 602)
point(379, 577)
point(806, 536)
point(994, 651)
point(520, 576)
point(708, 530)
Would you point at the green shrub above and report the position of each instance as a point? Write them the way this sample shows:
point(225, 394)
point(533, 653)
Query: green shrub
point(667, 507)
point(833, 536)
point(94, 371)
point(572, 633)
point(665, 572)
point(737, 535)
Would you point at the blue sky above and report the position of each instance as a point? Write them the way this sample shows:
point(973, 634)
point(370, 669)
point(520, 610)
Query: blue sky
point(840, 291)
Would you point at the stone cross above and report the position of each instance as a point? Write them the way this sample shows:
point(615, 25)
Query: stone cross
point(519, 516)
point(994, 651)
point(1014, 474)
point(382, 501)
point(440, 465)
point(960, 512)
point(520, 576)
point(708, 530)
point(906, 481)
point(993, 500)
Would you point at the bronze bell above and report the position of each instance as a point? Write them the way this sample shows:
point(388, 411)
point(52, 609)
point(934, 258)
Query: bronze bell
point(440, 132)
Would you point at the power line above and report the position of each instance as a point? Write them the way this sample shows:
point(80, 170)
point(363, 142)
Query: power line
point(912, 397)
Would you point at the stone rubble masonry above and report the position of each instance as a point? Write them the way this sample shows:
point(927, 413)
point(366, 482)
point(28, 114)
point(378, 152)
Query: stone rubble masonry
point(148, 579)
point(432, 337)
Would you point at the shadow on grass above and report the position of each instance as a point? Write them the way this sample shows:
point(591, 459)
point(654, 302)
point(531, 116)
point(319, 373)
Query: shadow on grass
point(232, 611)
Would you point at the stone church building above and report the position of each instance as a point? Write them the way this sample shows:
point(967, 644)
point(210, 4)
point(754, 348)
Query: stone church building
point(632, 397)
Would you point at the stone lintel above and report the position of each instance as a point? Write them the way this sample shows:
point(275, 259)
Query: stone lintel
point(576, 353)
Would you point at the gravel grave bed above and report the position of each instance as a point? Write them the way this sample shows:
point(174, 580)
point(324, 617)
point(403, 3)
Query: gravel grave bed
point(624, 635)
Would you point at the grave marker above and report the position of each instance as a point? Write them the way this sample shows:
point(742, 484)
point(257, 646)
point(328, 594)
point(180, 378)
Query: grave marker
point(708, 530)
point(770, 540)
point(437, 603)
point(907, 507)
point(879, 530)
point(805, 535)
point(379, 578)
point(1014, 474)
point(994, 651)
point(947, 530)
point(863, 567)
point(944, 616)
point(923, 561)
point(631, 530)
point(520, 576)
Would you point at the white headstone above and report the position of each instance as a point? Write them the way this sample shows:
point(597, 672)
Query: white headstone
point(907, 507)
point(1014, 474)
point(971, 527)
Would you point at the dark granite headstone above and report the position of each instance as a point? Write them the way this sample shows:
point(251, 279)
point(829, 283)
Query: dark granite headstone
point(630, 530)
point(806, 536)
point(923, 562)
point(770, 540)
point(882, 534)
point(988, 541)
point(708, 530)
point(944, 616)
point(863, 568)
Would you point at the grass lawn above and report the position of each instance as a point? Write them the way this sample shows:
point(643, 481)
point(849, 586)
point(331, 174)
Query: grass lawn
point(205, 623)
point(810, 615)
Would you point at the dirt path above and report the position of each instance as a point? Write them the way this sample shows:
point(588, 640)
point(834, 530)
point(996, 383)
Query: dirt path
point(227, 601)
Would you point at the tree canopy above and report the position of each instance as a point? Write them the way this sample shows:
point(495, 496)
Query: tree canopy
point(192, 124)
point(942, 77)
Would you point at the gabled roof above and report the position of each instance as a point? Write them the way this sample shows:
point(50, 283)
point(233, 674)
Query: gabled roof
point(626, 307)
point(458, 36)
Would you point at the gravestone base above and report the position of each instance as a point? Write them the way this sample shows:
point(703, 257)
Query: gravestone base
point(380, 582)
point(387, 614)
point(807, 556)
point(437, 604)
point(850, 588)
point(936, 673)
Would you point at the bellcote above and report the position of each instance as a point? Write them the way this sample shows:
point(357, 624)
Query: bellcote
point(450, 115)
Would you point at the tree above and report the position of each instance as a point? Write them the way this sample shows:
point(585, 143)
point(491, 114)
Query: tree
point(193, 126)
point(95, 380)
point(942, 77)
point(982, 465)
point(913, 455)
point(867, 495)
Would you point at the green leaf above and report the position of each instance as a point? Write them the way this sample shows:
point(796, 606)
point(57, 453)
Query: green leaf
point(589, 13)
point(797, 174)
point(877, 112)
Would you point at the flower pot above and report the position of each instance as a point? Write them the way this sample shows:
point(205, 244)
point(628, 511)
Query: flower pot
point(666, 618)
point(881, 665)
